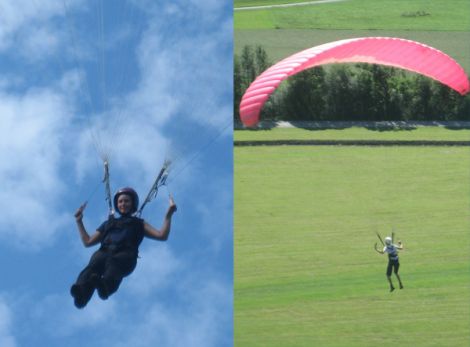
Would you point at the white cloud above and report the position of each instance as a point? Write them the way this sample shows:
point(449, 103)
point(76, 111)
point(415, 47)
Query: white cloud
point(194, 310)
point(157, 268)
point(6, 337)
point(189, 71)
point(201, 320)
point(184, 76)
point(134, 146)
point(40, 43)
point(67, 319)
point(17, 15)
point(30, 146)
point(177, 87)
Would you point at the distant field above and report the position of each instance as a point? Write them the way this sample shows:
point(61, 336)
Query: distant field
point(306, 273)
point(434, 15)
point(355, 133)
point(446, 27)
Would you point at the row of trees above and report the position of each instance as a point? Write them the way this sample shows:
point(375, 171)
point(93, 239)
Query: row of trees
point(350, 92)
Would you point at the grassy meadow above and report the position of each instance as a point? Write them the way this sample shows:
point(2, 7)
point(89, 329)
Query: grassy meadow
point(354, 133)
point(306, 273)
point(434, 15)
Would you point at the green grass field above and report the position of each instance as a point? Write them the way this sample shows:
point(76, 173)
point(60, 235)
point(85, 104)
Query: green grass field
point(435, 15)
point(353, 133)
point(306, 273)
point(447, 27)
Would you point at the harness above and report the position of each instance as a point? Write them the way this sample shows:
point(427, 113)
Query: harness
point(392, 253)
point(132, 233)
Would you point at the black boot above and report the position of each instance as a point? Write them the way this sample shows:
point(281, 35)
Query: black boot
point(77, 293)
point(98, 283)
point(102, 288)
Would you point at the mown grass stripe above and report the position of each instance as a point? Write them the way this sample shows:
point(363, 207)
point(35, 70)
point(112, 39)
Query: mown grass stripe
point(350, 143)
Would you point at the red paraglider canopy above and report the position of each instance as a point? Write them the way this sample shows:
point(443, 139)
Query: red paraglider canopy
point(396, 52)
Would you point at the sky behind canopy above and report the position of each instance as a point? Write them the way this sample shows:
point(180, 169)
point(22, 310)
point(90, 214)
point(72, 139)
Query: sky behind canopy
point(135, 82)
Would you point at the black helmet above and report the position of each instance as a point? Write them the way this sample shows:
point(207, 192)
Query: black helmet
point(128, 191)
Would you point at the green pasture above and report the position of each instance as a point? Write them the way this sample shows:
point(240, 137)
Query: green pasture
point(306, 273)
point(354, 133)
point(444, 25)
point(433, 15)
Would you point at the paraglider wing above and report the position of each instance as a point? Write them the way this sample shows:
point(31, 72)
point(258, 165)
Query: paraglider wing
point(396, 52)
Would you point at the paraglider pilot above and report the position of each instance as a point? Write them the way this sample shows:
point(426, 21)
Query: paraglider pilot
point(393, 263)
point(120, 239)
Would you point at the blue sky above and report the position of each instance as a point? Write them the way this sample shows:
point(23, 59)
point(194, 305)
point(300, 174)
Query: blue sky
point(138, 81)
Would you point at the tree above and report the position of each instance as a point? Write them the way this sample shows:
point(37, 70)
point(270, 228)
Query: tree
point(237, 87)
point(360, 92)
point(304, 99)
point(252, 62)
point(420, 102)
point(338, 96)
